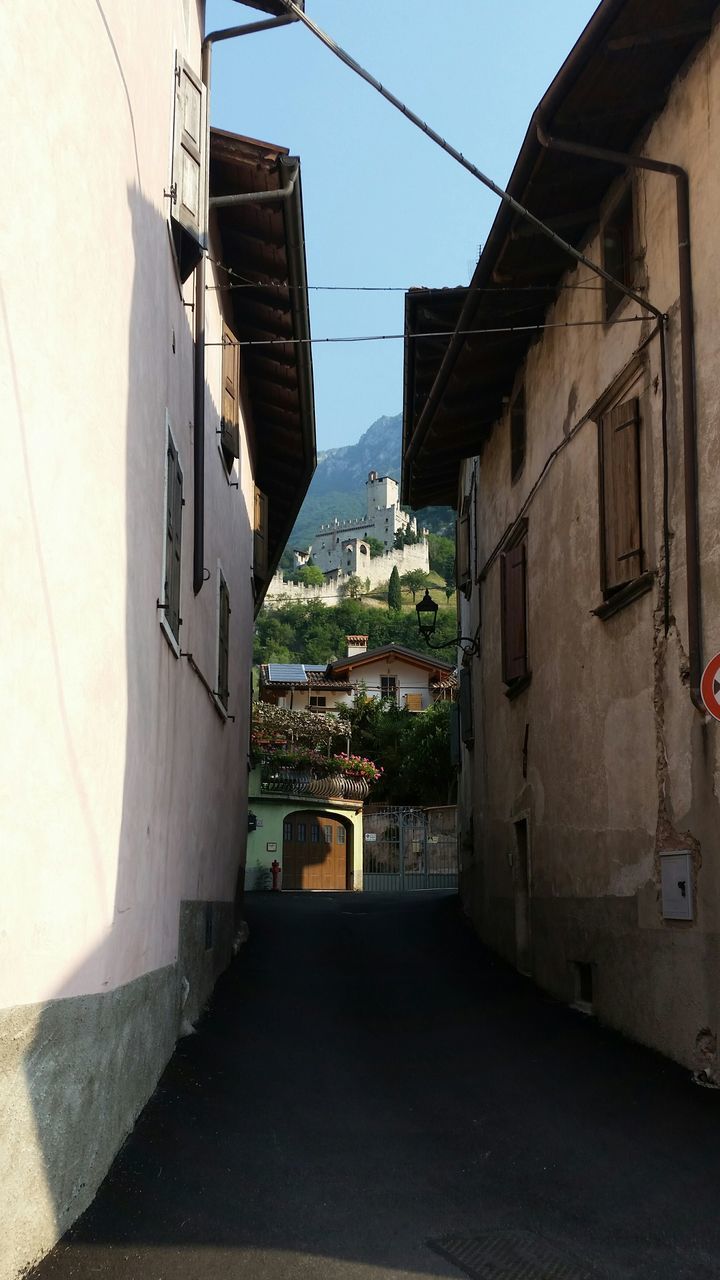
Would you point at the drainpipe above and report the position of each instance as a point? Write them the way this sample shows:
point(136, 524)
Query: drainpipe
point(258, 197)
point(687, 377)
point(227, 33)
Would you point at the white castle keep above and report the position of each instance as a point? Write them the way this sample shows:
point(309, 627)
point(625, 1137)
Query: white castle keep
point(341, 549)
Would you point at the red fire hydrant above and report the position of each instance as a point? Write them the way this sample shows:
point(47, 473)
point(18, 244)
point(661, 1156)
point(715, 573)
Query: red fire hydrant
point(276, 875)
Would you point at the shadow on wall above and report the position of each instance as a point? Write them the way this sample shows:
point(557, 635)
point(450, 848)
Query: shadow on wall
point(81, 1066)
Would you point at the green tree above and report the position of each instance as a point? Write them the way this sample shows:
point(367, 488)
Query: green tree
point(415, 580)
point(442, 555)
point(377, 548)
point(413, 749)
point(310, 576)
point(394, 590)
point(352, 588)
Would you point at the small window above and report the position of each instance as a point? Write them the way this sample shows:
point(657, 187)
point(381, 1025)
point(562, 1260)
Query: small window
point(223, 692)
point(314, 833)
point(620, 497)
point(317, 700)
point(518, 433)
point(260, 554)
point(170, 603)
point(462, 549)
point(618, 249)
point(341, 835)
point(230, 415)
point(301, 829)
point(465, 704)
point(287, 831)
point(513, 588)
point(388, 687)
point(413, 702)
point(327, 834)
point(187, 191)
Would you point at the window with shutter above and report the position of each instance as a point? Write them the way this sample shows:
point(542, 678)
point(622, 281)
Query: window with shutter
point(618, 243)
point(261, 535)
point(518, 434)
point(462, 551)
point(187, 209)
point(620, 496)
point(465, 702)
point(173, 538)
point(513, 588)
point(223, 642)
point(413, 702)
point(230, 410)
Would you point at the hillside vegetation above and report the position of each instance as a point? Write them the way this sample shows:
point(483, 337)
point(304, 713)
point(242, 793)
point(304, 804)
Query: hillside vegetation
point(298, 632)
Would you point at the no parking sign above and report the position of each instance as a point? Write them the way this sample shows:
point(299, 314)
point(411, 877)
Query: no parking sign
point(710, 687)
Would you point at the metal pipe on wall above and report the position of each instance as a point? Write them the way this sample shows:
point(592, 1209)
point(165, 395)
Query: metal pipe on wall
point(687, 377)
point(227, 33)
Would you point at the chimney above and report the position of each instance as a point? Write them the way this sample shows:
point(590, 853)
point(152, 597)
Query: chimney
point(356, 645)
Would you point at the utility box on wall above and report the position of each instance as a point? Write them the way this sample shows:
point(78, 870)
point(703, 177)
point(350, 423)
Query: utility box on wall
point(676, 885)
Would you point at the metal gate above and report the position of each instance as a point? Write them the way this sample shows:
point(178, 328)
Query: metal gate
point(406, 849)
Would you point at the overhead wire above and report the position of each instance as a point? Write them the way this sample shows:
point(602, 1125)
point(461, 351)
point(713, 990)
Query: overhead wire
point(440, 333)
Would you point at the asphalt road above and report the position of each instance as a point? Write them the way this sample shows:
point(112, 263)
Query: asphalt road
point(368, 1079)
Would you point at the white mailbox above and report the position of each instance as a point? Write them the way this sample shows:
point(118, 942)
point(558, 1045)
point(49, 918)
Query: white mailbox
point(676, 883)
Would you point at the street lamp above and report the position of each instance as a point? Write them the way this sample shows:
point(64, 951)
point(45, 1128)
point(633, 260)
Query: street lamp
point(426, 611)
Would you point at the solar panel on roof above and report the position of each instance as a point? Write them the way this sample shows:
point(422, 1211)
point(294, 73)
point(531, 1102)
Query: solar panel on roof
point(316, 666)
point(287, 672)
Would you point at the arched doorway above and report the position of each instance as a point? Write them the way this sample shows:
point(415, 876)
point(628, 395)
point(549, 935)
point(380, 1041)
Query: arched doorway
point(317, 851)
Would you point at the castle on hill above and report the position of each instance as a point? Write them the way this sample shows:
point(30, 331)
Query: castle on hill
point(341, 549)
point(343, 544)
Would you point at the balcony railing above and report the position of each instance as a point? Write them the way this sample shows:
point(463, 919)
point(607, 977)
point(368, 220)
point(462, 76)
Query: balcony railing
point(282, 780)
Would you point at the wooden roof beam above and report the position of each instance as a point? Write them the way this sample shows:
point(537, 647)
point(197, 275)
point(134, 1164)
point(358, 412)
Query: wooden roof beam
point(680, 31)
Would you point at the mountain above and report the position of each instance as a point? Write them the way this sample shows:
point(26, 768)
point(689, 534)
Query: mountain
point(338, 486)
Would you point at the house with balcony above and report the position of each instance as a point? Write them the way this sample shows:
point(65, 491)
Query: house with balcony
point(146, 525)
point(306, 801)
point(413, 680)
point(572, 419)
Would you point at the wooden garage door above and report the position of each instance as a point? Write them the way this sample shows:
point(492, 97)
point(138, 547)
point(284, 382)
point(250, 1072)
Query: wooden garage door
point(314, 852)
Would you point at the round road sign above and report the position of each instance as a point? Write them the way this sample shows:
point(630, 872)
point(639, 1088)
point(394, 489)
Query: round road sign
point(710, 687)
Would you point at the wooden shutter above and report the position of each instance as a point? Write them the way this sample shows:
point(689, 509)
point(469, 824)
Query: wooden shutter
point(621, 529)
point(467, 730)
point(413, 701)
point(261, 534)
point(223, 642)
point(462, 551)
point(230, 413)
point(188, 201)
point(173, 539)
point(513, 573)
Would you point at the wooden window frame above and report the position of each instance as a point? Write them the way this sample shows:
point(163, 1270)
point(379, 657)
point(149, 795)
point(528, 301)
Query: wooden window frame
point(229, 429)
point(630, 386)
point(260, 535)
point(463, 566)
point(517, 415)
point(390, 680)
point(174, 501)
point(619, 220)
point(514, 594)
point(466, 710)
point(222, 692)
point(318, 700)
point(187, 227)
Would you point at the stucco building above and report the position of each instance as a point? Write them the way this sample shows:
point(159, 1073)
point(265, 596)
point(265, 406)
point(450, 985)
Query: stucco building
point(577, 442)
point(153, 471)
point(413, 680)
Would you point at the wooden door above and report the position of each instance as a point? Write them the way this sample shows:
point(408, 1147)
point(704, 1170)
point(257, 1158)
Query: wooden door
point(315, 852)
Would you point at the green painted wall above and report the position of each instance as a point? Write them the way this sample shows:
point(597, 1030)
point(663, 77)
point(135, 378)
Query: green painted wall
point(271, 813)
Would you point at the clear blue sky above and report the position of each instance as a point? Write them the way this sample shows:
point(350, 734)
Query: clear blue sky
point(383, 205)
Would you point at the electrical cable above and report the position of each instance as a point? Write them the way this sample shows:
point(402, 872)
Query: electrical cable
point(292, 8)
point(443, 333)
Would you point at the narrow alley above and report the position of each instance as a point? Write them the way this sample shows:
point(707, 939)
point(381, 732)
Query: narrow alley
point(371, 1093)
